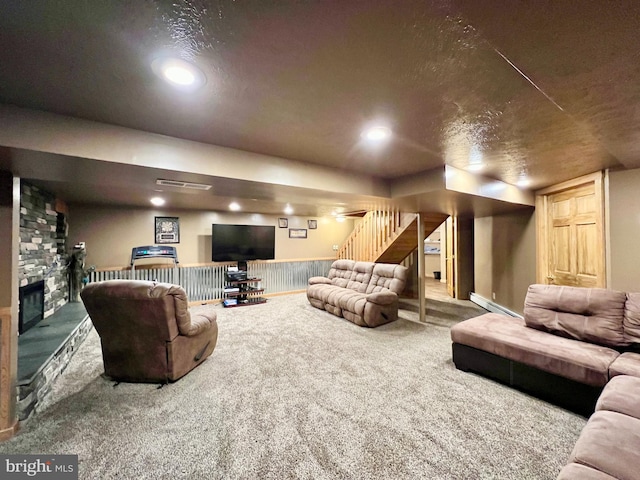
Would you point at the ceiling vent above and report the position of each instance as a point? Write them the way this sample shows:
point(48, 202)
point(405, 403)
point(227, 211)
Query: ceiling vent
point(179, 184)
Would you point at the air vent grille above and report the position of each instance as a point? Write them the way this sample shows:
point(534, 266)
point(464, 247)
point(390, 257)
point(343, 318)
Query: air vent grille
point(179, 184)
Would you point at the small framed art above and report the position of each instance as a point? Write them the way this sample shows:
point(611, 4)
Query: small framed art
point(313, 224)
point(167, 230)
point(283, 222)
point(297, 233)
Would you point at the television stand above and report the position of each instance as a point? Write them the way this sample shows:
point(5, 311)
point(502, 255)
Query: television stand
point(242, 293)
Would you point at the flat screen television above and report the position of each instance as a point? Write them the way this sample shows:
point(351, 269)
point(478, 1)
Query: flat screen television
point(232, 243)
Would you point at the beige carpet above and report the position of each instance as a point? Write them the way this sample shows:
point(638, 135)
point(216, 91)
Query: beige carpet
point(294, 392)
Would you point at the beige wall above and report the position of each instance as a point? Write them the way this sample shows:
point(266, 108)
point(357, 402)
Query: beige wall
point(505, 257)
point(624, 228)
point(111, 233)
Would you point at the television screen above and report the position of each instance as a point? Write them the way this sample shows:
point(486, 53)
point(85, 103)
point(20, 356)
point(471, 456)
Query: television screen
point(232, 243)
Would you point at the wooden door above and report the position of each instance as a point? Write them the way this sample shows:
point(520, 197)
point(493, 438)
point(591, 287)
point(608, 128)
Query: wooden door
point(571, 234)
point(450, 255)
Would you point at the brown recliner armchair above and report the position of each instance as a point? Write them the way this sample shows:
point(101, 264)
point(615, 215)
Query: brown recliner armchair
point(147, 331)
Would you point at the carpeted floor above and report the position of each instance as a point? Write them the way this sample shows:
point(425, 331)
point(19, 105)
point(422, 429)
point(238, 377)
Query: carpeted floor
point(294, 392)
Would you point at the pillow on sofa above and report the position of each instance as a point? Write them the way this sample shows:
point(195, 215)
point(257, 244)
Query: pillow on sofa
point(591, 314)
point(632, 318)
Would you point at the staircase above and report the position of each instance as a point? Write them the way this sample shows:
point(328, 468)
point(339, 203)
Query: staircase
point(387, 236)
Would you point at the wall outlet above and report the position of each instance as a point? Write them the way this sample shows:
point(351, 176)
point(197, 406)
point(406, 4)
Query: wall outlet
point(335, 248)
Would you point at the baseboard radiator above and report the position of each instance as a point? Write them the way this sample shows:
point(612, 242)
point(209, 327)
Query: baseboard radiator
point(492, 306)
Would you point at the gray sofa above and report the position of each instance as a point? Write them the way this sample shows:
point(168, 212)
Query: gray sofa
point(609, 445)
point(364, 293)
point(577, 347)
point(571, 342)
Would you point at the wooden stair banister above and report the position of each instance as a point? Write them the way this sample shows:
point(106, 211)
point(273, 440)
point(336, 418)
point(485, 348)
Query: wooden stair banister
point(386, 236)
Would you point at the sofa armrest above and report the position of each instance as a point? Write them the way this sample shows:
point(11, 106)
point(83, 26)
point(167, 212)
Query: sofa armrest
point(319, 280)
point(382, 298)
point(202, 318)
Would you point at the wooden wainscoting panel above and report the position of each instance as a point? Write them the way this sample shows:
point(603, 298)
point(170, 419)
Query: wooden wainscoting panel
point(8, 418)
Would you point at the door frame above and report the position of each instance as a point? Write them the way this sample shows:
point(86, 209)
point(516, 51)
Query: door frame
point(450, 242)
point(459, 256)
point(600, 181)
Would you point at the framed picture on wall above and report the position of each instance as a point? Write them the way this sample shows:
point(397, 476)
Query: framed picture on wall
point(283, 223)
point(167, 230)
point(313, 224)
point(297, 233)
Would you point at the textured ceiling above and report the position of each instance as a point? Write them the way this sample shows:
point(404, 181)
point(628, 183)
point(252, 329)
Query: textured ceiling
point(546, 89)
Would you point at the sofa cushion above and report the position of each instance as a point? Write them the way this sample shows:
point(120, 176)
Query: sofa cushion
point(360, 276)
point(621, 395)
point(351, 301)
point(631, 321)
point(340, 272)
point(510, 338)
point(610, 442)
point(626, 364)
point(576, 471)
point(387, 276)
point(325, 295)
point(591, 314)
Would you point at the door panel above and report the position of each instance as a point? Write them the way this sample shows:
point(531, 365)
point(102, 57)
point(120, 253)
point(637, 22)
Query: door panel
point(561, 208)
point(561, 245)
point(586, 204)
point(586, 239)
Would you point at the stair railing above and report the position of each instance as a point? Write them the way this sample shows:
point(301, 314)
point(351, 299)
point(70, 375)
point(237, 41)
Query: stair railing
point(374, 233)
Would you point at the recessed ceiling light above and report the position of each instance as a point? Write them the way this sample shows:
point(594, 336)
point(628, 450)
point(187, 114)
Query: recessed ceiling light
point(178, 73)
point(377, 134)
point(288, 210)
point(234, 206)
point(523, 182)
point(340, 218)
point(157, 201)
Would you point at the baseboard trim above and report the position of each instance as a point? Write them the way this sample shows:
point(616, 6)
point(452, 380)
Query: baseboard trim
point(491, 306)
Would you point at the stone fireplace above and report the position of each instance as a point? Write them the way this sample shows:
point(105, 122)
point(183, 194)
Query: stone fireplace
point(43, 234)
point(44, 297)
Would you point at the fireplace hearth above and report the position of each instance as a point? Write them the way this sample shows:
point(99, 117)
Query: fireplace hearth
point(31, 309)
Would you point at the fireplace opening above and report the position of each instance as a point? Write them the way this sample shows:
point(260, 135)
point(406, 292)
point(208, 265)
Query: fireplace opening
point(31, 309)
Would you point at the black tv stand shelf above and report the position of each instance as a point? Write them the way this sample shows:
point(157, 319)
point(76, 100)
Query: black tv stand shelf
point(242, 293)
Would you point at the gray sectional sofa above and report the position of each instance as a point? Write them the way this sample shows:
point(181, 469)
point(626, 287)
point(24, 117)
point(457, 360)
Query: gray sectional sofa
point(577, 347)
point(609, 445)
point(571, 342)
point(364, 293)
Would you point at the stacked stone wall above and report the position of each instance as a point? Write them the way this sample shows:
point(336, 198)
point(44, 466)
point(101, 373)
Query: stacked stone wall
point(43, 234)
point(33, 392)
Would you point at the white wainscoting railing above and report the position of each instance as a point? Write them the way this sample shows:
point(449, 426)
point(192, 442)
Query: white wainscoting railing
point(205, 282)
